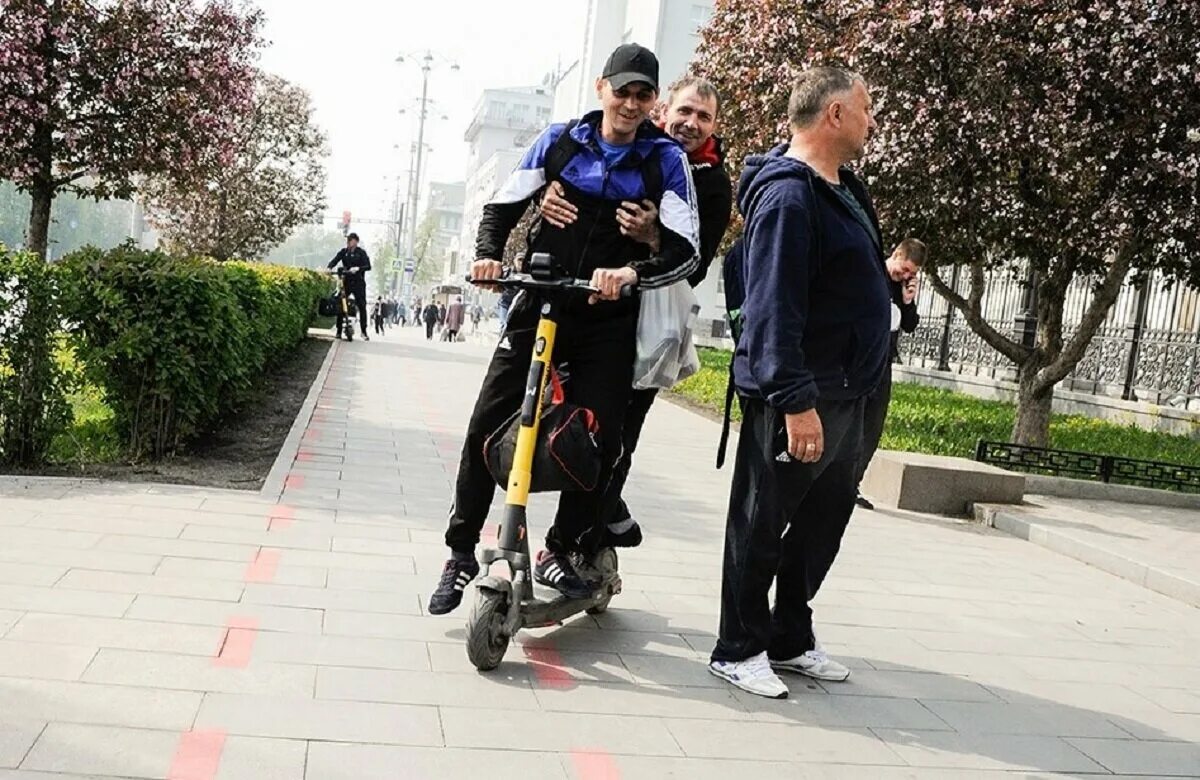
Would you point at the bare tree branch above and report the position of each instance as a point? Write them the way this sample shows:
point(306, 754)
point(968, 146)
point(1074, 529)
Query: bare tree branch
point(1102, 300)
point(972, 311)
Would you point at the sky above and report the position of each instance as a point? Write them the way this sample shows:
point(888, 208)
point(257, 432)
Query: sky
point(344, 54)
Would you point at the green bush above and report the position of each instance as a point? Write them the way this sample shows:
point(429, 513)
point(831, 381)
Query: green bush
point(941, 422)
point(33, 385)
point(177, 344)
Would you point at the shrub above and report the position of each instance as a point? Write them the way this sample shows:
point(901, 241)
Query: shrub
point(178, 343)
point(33, 384)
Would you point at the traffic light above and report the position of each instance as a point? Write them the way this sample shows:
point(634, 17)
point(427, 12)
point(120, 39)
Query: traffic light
point(344, 225)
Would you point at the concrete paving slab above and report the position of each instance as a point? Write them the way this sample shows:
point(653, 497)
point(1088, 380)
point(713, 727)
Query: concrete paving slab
point(197, 673)
point(152, 754)
point(295, 718)
point(87, 703)
point(342, 761)
point(38, 660)
point(987, 751)
point(116, 633)
point(557, 732)
point(15, 741)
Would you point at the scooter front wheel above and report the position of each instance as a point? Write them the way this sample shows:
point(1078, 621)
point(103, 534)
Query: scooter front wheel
point(486, 640)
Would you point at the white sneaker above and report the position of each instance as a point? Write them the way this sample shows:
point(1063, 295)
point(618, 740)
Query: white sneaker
point(815, 663)
point(752, 675)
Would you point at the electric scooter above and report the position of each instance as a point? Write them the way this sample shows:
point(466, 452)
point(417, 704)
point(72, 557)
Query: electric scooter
point(505, 605)
point(348, 310)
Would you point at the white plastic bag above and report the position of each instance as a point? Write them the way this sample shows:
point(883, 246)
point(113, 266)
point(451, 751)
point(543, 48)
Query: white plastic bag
point(666, 352)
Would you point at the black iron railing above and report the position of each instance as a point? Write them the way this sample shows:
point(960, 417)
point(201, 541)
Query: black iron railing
point(1086, 465)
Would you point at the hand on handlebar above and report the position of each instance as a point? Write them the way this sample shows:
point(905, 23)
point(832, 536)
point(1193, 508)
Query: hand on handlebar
point(609, 282)
point(483, 269)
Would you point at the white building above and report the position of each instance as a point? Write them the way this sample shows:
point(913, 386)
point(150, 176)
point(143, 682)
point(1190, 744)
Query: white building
point(506, 122)
point(444, 208)
point(669, 28)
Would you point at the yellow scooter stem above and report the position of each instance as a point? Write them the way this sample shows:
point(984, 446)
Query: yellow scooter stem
point(521, 475)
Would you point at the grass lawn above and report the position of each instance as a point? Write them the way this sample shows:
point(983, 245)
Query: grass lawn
point(941, 422)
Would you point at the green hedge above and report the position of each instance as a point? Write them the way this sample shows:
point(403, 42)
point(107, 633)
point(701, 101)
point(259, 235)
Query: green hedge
point(941, 422)
point(33, 384)
point(176, 344)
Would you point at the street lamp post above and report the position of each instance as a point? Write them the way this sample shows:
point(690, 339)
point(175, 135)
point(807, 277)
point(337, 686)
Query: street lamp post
point(427, 62)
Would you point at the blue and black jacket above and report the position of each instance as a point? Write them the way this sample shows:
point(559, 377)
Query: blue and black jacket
point(594, 240)
point(817, 309)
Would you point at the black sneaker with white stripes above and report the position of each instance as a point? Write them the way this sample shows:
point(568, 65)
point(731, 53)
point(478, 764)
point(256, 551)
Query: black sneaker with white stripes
point(555, 570)
point(456, 574)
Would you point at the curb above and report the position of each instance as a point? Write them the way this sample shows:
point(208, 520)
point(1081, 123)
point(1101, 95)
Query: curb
point(1063, 487)
point(1149, 577)
point(272, 487)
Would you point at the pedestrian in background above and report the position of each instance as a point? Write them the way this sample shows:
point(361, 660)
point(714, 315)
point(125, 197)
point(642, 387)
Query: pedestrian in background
point(377, 317)
point(431, 318)
point(906, 262)
point(456, 315)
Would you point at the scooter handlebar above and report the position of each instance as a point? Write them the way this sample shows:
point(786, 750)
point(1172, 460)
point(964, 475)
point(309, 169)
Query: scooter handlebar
point(529, 282)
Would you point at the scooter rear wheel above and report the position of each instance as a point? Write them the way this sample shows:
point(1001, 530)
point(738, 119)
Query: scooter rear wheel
point(606, 564)
point(486, 640)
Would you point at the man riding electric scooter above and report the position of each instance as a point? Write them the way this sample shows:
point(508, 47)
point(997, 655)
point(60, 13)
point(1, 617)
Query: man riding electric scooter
point(356, 263)
point(606, 158)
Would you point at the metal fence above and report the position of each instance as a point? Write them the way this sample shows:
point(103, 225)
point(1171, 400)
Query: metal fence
point(1148, 348)
point(1086, 465)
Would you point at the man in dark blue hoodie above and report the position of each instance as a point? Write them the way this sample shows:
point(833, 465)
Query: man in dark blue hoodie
point(814, 344)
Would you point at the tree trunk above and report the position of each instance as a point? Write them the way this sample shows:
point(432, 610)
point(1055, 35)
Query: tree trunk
point(38, 240)
point(1034, 402)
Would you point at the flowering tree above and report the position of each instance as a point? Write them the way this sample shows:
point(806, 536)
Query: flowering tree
point(94, 93)
point(1012, 132)
point(274, 182)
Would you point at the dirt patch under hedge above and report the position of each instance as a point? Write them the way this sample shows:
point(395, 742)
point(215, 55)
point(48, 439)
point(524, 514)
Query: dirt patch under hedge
point(240, 455)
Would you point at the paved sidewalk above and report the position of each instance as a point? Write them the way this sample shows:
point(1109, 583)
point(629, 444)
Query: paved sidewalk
point(1154, 546)
point(153, 632)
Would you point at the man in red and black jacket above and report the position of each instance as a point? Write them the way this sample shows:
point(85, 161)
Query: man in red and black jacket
point(691, 119)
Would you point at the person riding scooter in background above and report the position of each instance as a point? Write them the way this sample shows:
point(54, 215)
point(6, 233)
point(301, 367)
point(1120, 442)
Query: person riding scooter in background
point(354, 259)
point(602, 160)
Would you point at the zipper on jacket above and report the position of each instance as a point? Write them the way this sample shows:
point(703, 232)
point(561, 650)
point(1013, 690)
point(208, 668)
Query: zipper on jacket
point(587, 241)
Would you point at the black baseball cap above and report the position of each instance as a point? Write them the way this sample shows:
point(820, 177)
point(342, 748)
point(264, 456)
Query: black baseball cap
point(352, 237)
point(631, 62)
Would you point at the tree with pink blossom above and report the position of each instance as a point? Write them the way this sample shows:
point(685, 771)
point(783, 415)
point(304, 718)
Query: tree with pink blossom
point(273, 183)
point(97, 93)
point(1055, 137)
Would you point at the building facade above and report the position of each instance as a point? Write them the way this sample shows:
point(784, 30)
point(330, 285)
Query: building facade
point(670, 28)
point(444, 209)
point(505, 123)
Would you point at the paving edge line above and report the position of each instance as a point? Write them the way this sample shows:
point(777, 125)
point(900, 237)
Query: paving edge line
point(272, 487)
point(1147, 576)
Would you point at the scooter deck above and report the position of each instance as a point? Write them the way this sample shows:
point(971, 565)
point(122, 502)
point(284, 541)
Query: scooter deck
point(539, 613)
